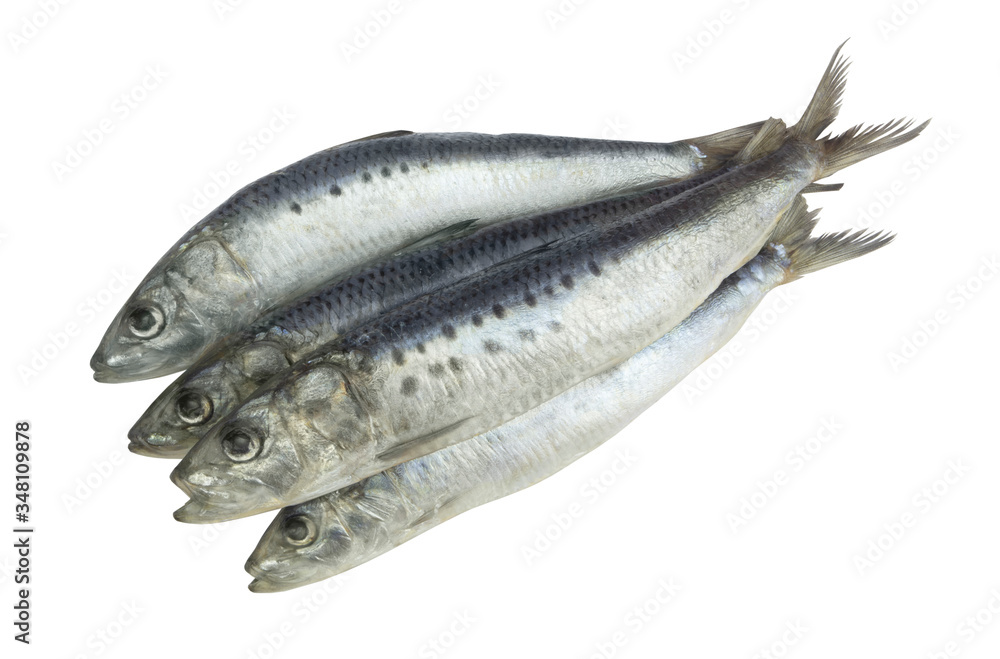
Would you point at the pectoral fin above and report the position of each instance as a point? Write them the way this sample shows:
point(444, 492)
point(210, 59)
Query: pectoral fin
point(424, 444)
point(450, 232)
point(441, 513)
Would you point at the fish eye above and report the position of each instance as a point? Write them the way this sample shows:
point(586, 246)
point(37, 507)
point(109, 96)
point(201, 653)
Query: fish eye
point(299, 531)
point(146, 322)
point(241, 445)
point(194, 408)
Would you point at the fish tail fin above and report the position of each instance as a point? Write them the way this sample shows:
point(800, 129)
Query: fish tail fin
point(767, 140)
point(803, 253)
point(825, 104)
point(752, 141)
point(829, 249)
point(854, 144)
point(720, 147)
point(795, 225)
point(859, 142)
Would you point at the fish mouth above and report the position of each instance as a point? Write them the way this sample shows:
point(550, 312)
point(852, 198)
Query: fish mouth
point(130, 370)
point(155, 444)
point(261, 585)
point(268, 577)
point(140, 448)
point(214, 503)
point(106, 374)
point(200, 485)
point(199, 512)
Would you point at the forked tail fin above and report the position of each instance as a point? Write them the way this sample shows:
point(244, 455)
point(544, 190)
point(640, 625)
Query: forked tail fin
point(858, 143)
point(854, 144)
point(825, 104)
point(829, 249)
point(804, 253)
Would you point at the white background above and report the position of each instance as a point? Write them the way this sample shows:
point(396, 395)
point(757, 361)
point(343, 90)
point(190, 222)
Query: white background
point(600, 68)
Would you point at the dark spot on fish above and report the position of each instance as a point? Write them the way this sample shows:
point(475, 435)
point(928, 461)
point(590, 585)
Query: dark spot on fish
point(555, 326)
point(409, 385)
point(397, 356)
point(455, 364)
point(530, 299)
point(548, 290)
point(436, 369)
point(566, 281)
point(421, 348)
point(404, 168)
point(296, 208)
point(492, 346)
point(596, 271)
point(335, 190)
point(448, 331)
point(526, 334)
point(386, 172)
point(424, 164)
point(498, 310)
point(477, 320)
point(366, 177)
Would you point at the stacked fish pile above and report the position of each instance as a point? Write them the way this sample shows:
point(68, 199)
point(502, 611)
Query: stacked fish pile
point(398, 329)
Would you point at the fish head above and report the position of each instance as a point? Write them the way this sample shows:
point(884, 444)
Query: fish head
point(204, 394)
point(304, 544)
point(183, 305)
point(284, 445)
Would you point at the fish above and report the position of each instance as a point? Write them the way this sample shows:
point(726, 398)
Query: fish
point(466, 358)
point(328, 535)
point(287, 232)
point(236, 366)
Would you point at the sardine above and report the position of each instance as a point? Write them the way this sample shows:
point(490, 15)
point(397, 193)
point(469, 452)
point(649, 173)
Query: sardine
point(230, 372)
point(463, 360)
point(360, 202)
point(328, 535)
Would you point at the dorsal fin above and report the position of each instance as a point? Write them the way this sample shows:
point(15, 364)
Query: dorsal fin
point(767, 140)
